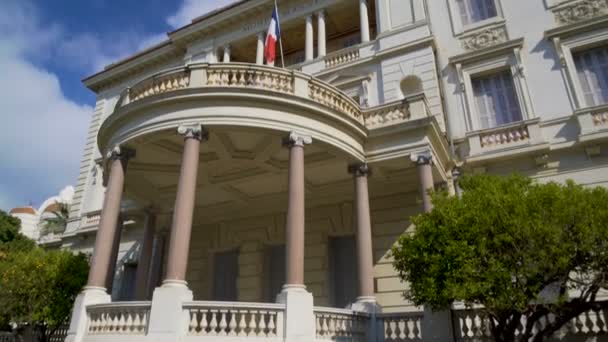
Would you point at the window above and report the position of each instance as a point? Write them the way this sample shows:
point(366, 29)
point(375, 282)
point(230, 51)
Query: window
point(592, 70)
point(496, 99)
point(473, 11)
point(127, 282)
point(343, 270)
point(275, 272)
point(225, 273)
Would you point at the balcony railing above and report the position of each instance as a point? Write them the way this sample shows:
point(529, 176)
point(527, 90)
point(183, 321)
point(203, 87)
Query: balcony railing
point(120, 318)
point(236, 322)
point(275, 80)
point(518, 134)
point(474, 325)
point(343, 56)
point(216, 320)
point(341, 324)
point(401, 327)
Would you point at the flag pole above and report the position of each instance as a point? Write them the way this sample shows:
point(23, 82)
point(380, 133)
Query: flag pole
point(276, 8)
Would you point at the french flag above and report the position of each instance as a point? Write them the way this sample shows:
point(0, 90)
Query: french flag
point(273, 35)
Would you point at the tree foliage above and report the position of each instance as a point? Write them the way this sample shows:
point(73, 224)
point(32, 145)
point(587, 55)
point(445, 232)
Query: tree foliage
point(10, 237)
point(525, 251)
point(38, 287)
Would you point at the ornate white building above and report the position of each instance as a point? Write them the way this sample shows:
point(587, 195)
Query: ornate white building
point(239, 202)
point(33, 220)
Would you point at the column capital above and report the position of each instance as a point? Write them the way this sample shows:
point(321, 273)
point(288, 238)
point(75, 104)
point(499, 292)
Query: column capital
point(195, 131)
point(320, 13)
point(120, 152)
point(360, 170)
point(297, 139)
point(422, 158)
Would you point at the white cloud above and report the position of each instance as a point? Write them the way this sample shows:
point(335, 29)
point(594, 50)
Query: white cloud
point(41, 132)
point(191, 9)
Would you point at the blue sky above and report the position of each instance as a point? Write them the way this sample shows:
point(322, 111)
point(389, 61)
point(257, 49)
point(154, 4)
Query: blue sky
point(46, 48)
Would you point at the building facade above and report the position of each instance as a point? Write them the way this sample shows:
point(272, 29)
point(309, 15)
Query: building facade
point(225, 199)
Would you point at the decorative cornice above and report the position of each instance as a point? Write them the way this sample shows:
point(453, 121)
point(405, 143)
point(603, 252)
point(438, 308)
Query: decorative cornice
point(422, 158)
point(487, 37)
point(360, 170)
point(297, 139)
point(579, 11)
point(196, 131)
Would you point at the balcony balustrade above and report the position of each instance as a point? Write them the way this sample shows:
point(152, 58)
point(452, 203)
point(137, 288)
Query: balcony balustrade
point(126, 318)
point(275, 80)
point(217, 320)
point(340, 324)
point(236, 321)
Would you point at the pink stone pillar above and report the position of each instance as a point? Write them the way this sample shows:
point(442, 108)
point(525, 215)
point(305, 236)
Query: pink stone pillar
point(142, 277)
point(106, 233)
point(364, 233)
point(114, 255)
point(294, 228)
point(425, 174)
point(181, 228)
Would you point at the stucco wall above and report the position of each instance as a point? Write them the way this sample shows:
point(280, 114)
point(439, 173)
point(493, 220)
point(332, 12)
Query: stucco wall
point(390, 218)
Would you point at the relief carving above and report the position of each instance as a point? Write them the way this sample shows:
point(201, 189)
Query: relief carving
point(580, 10)
point(485, 38)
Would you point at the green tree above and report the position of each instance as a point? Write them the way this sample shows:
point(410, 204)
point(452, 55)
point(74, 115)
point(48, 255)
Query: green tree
point(38, 287)
point(523, 250)
point(10, 237)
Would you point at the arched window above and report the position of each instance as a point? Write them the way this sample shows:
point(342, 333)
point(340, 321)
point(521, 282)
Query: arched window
point(411, 85)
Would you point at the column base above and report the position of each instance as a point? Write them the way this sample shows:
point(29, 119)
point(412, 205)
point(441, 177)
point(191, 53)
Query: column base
point(299, 313)
point(78, 324)
point(367, 304)
point(168, 320)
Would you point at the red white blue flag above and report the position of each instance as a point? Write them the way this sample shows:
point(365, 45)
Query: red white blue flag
point(273, 35)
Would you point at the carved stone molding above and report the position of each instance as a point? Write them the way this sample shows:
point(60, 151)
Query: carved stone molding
point(197, 132)
point(580, 10)
point(485, 38)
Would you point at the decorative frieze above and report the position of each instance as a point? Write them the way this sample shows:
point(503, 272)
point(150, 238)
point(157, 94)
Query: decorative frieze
point(485, 38)
point(580, 10)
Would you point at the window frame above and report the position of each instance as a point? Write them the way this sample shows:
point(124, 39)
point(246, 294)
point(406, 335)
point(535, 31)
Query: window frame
point(511, 60)
point(566, 49)
point(460, 28)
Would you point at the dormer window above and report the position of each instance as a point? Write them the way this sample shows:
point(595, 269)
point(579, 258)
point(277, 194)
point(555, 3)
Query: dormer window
point(473, 11)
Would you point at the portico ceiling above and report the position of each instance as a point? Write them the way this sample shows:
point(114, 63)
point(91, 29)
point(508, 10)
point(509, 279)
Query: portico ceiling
point(246, 169)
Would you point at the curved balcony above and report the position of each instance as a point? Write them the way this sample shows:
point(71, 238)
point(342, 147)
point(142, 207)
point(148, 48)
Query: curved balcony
point(237, 94)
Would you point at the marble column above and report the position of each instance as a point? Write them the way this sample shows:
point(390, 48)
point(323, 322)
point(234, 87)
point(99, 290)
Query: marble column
point(259, 55)
point(114, 256)
point(309, 47)
point(142, 277)
point(106, 233)
point(321, 35)
point(294, 229)
point(226, 58)
point(181, 227)
point(425, 176)
point(364, 21)
point(365, 255)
